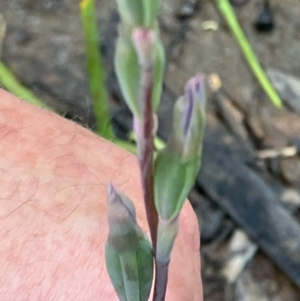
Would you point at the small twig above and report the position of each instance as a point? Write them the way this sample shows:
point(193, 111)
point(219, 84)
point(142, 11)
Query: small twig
point(289, 151)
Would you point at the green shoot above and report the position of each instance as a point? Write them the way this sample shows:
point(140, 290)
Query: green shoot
point(9, 81)
point(95, 69)
point(228, 13)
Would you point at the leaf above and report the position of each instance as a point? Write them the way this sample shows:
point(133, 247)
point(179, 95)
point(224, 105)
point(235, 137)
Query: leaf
point(131, 12)
point(159, 68)
point(128, 72)
point(151, 10)
point(173, 179)
point(128, 253)
point(131, 272)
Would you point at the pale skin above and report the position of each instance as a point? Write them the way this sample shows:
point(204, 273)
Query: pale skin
point(53, 198)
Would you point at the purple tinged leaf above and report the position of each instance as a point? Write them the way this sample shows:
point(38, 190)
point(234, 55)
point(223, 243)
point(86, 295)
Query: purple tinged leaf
point(128, 252)
point(117, 199)
point(121, 214)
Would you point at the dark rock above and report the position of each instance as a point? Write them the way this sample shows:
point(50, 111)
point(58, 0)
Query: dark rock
point(264, 21)
point(288, 88)
point(210, 216)
point(232, 117)
point(290, 169)
point(187, 9)
point(274, 166)
point(251, 203)
point(291, 199)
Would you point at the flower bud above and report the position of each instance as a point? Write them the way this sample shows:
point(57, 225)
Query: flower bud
point(121, 221)
point(128, 252)
point(189, 119)
point(177, 165)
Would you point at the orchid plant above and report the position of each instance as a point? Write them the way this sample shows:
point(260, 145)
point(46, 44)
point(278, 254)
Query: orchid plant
point(166, 178)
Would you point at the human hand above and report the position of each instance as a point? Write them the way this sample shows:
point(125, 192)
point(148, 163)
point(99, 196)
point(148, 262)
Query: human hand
point(53, 223)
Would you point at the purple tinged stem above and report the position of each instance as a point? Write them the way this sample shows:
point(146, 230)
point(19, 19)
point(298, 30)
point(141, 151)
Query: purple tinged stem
point(145, 134)
point(143, 41)
point(161, 280)
point(146, 148)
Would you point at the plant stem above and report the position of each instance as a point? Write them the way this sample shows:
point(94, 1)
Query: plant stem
point(227, 12)
point(145, 142)
point(145, 134)
point(95, 69)
point(10, 82)
point(161, 280)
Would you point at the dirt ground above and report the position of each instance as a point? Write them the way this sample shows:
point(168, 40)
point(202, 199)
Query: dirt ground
point(44, 48)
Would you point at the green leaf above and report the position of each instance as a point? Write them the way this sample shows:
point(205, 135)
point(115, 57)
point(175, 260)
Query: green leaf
point(128, 253)
point(151, 10)
point(113, 265)
point(173, 179)
point(131, 272)
point(131, 11)
point(166, 234)
point(159, 68)
point(128, 72)
point(145, 266)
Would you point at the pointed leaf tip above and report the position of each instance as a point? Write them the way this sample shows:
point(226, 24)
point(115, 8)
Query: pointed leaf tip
point(111, 191)
point(121, 213)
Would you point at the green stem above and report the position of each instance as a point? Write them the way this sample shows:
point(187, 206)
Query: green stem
point(228, 13)
point(95, 69)
point(10, 82)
